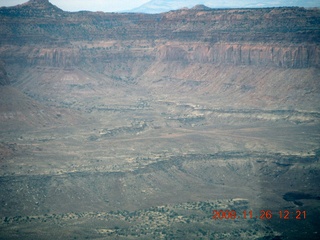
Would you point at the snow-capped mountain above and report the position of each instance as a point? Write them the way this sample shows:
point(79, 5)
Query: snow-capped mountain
point(158, 6)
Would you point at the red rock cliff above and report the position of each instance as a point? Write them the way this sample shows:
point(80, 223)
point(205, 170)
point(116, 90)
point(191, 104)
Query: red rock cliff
point(275, 55)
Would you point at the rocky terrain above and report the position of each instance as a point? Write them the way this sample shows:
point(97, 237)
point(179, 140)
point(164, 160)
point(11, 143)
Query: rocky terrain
point(138, 126)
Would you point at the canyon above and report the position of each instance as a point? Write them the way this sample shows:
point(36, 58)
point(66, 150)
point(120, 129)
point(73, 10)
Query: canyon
point(139, 126)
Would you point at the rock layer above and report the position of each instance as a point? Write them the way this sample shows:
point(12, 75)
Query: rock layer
point(4, 80)
point(278, 37)
point(298, 56)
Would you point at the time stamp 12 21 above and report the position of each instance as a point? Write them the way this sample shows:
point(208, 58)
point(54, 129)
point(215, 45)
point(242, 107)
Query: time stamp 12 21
point(263, 215)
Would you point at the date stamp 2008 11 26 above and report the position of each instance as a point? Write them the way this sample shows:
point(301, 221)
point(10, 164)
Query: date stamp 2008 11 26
point(264, 214)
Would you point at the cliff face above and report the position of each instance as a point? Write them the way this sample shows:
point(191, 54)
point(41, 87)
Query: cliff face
point(4, 80)
point(278, 37)
point(275, 55)
point(55, 57)
point(246, 54)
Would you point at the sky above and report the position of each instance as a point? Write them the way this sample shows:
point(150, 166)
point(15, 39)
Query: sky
point(90, 5)
point(102, 5)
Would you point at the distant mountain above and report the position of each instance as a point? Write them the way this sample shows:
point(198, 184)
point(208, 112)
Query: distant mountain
point(40, 4)
point(158, 6)
point(32, 8)
point(200, 7)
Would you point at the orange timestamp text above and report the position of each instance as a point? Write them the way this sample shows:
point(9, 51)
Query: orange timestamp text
point(263, 215)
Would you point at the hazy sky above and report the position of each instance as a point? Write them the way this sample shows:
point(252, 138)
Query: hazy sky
point(108, 5)
point(91, 5)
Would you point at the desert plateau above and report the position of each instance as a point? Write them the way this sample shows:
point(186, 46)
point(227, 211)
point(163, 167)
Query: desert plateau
point(141, 126)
